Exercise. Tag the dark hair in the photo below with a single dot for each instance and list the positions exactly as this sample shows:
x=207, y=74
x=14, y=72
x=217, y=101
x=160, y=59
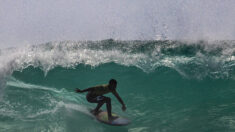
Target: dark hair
x=112, y=81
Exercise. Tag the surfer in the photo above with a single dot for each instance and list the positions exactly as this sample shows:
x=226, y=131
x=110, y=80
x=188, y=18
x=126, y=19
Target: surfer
x=95, y=95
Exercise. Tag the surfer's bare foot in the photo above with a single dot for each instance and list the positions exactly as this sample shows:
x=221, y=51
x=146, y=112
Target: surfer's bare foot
x=112, y=118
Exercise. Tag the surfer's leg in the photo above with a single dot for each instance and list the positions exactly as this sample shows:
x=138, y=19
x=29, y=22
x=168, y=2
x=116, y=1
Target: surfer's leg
x=101, y=100
x=109, y=108
x=96, y=110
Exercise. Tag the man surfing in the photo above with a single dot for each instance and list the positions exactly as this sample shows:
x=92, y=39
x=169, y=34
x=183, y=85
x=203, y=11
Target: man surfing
x=95, y=95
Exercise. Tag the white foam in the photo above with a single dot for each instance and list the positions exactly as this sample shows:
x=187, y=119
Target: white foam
x=16, y=83
x=63, y=95
x=68, y=54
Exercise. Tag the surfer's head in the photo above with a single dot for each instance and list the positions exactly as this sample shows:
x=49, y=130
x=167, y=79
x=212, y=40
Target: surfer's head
x=112, y=83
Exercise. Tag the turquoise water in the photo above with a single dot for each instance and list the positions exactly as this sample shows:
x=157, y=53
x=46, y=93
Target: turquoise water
x=166, y=85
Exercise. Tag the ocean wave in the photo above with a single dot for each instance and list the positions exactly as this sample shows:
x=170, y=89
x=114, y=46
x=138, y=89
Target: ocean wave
x=197, y=59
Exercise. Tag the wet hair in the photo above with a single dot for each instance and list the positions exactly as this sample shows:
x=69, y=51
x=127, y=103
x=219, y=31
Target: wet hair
x=112, y=81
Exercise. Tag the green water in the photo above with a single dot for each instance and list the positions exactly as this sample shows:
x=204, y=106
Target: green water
x=158, y=101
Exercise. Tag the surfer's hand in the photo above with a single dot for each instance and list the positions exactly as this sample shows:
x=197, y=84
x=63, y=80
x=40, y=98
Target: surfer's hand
x=78, y=90
x=123, y=107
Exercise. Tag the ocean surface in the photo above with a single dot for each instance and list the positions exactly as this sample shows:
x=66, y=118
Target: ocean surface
x=167, y=86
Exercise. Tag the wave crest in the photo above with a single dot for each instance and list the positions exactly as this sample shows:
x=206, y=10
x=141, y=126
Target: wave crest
x=195, y=59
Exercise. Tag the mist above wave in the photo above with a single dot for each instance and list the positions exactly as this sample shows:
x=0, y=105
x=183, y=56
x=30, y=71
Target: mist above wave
x=27, y=22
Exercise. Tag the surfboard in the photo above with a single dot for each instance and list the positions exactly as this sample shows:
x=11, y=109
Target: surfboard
x=102, y=116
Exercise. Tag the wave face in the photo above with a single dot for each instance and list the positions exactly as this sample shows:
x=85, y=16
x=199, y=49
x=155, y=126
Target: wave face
x=166, y=85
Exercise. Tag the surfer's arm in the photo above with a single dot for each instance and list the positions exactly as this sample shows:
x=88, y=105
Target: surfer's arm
x=119, y=99
x=84, y=90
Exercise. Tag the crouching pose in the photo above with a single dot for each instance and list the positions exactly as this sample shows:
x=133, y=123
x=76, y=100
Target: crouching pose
x=95, y=95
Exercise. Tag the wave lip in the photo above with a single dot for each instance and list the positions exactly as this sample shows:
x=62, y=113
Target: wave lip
x=210, y=58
